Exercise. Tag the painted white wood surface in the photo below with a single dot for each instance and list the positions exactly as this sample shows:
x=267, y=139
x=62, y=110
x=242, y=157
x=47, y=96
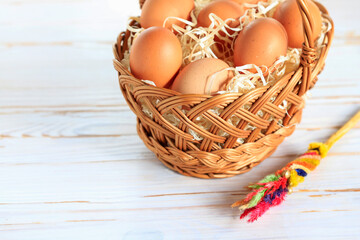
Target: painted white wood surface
x=72, y=166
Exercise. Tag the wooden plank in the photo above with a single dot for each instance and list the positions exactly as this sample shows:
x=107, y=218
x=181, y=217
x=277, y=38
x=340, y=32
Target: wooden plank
x=62, y=21
x=75, y=85
x=122, y=147
x=119, y=120
x=68, y=123
x=106, y=17
x=118, y=192
x=72, y=166
x=206, y=225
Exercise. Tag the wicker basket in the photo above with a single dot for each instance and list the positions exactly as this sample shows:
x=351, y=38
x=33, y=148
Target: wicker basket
x=206, y=158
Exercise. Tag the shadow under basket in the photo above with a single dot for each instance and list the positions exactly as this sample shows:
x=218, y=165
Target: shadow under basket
x=222, y=155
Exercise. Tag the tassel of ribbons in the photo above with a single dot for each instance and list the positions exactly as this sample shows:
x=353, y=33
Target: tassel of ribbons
x=272, y=190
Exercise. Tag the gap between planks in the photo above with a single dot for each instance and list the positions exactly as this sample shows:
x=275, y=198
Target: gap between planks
x=22, y=2
x=70, y=137
x=245, y=192
x=233, y=193
x=68, y=106
x=135, y=134
x=114, y=220
x=53, y=44
x=131, y=160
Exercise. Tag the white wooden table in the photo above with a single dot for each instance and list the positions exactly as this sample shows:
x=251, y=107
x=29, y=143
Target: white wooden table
x=72, y=166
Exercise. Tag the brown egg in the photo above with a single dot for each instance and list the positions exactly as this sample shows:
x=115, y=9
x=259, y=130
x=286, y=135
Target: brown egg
x=288, y=14
x=155, y=12
x=156, y=55
x=261, y=42
x=224, y=9
x=204, y=76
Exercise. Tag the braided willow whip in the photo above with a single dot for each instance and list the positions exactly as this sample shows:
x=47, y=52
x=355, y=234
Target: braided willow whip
x=272, y=190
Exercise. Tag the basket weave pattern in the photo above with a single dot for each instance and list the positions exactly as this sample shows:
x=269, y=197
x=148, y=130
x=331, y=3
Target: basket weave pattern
x=217, y=156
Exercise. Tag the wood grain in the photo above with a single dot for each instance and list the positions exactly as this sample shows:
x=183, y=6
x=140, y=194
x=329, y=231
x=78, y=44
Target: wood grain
x=72, y=166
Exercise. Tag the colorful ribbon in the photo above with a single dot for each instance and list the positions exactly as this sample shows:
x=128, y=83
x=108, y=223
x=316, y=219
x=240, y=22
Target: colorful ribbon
x=272, y=190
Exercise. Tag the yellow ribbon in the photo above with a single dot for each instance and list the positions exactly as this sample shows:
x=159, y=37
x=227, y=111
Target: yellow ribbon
x=324, y=148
